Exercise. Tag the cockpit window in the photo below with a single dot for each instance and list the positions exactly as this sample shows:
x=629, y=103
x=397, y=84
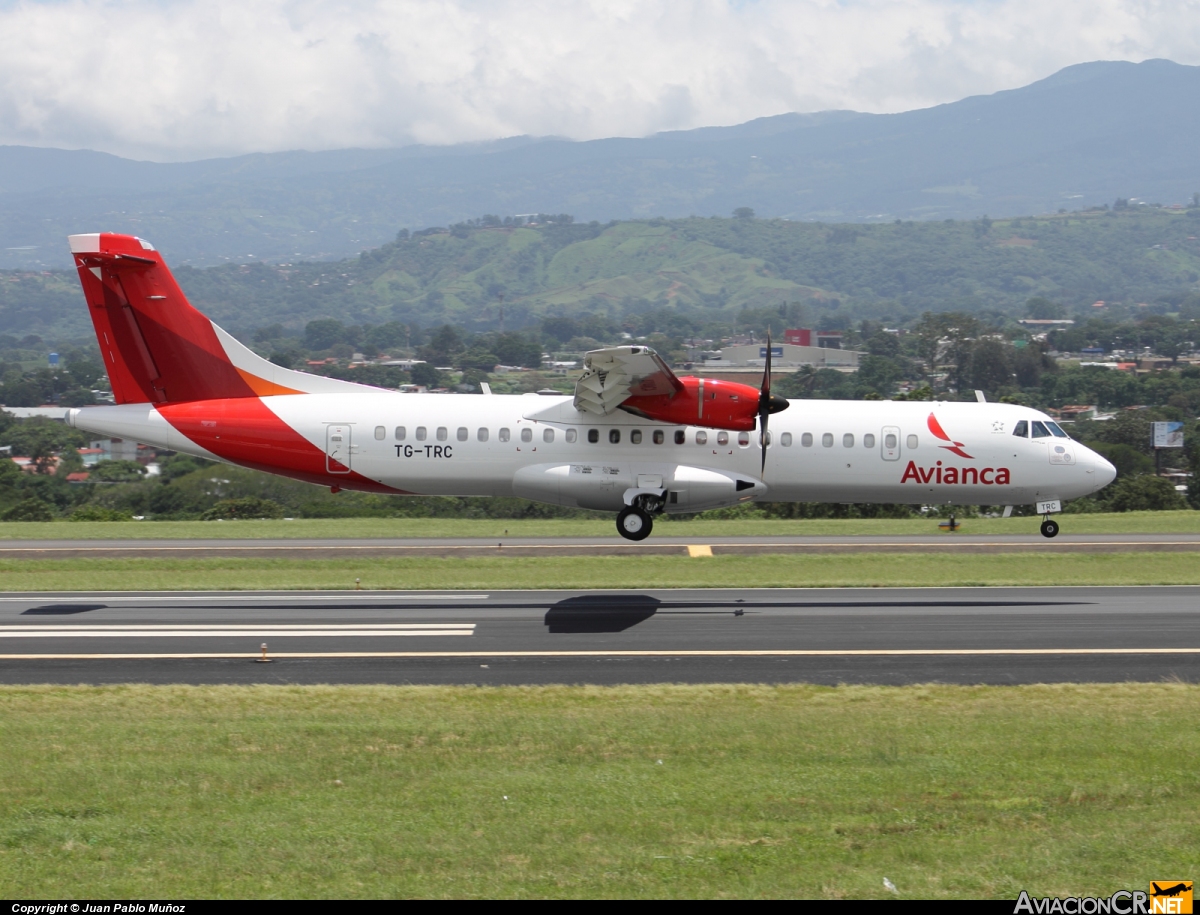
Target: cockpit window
x=1021, y=429
x=1040, y=430
x=1056, y=429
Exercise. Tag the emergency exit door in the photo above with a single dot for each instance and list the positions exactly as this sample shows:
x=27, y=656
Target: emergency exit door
x=337, y=449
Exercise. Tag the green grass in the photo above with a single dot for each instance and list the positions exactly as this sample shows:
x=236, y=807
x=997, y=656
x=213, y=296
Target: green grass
x=503, y=572
x=658, y=791
x=1123, y=523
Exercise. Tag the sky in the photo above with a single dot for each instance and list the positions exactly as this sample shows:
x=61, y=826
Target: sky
x=172, y=80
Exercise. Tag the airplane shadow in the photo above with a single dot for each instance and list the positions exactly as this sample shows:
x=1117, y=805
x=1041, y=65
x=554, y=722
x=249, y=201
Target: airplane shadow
x=61, y=609
x=601, y=612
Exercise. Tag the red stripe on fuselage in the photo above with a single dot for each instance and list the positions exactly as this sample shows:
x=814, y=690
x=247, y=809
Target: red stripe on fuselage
x=245, y=431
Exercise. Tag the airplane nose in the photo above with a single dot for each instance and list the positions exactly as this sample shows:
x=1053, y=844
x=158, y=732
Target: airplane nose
x=1105, y=471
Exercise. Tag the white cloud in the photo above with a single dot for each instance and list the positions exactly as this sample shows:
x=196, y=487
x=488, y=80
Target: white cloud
x=189, y=78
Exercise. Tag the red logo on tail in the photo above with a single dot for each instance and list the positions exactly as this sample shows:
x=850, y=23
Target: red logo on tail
x=954, y=447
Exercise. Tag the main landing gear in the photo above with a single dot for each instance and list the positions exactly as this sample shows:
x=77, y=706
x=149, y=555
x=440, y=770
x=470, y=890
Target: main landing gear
x=634, y=523
x=1049, y=528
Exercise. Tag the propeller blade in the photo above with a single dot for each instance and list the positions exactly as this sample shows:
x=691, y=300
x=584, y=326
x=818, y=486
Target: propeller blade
x=764, y=405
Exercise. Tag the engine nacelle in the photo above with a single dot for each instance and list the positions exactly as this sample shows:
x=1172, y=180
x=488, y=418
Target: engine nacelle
x=602, y=487
x=706, y=402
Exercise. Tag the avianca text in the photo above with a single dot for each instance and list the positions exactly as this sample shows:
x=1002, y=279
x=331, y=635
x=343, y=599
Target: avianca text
x=988, y=476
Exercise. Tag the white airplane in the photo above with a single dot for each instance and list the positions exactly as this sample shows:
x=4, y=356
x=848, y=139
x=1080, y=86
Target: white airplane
x=634, y=439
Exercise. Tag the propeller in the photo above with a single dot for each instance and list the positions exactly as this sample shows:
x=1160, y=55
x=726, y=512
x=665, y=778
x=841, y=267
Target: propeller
x=768, y=403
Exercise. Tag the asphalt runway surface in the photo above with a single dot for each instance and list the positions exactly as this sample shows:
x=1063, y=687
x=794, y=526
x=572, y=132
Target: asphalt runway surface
x=668, y=543
x=851, y=635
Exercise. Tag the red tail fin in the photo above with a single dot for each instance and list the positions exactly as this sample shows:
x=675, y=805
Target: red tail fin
x=156, y=346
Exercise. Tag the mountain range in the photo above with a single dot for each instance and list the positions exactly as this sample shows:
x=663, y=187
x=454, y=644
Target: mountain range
x=1084, y=136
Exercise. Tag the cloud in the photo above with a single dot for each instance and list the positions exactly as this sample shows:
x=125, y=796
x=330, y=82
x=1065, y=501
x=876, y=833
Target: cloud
x=178, y=79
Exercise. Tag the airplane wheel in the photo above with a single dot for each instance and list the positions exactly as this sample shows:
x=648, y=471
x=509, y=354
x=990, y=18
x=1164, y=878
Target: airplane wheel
x=1049, y=528
x=634, y=524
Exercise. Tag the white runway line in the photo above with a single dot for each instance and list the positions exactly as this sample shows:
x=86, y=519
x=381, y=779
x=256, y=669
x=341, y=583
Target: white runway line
x=235, y=631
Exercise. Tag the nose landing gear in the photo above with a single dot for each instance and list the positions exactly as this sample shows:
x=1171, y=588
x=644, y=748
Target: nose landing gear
x=1049, y=528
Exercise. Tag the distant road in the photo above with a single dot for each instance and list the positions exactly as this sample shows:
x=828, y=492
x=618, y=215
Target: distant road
x=856, y=635
x=595, y=546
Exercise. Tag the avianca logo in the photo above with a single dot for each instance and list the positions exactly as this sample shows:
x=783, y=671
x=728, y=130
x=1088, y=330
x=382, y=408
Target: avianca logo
x=988, y=476
x=954, y=447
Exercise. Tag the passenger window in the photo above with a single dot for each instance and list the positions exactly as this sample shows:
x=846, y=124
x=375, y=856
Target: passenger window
x=827, y=440
x=868, y=440
x=722, y=438
x=890, y=441
x=786, y=440
x=380, y=433
x=401, y=432
x=659, y=437
x=680, y=437
x=463, y=434
x=614, y=436
x=505, y=434
x=571, y=436
x=635, y=437
x=806, y=440
x=1056, y=429
x=1021, y=429
x=743, y=439
x=1040, y=430
x=593, y=435
x=527, y=435
x=421, y=433
x=548, y=435
x=701, y=438
x=482, y=435
x=848, y=440
x=443, y=433
x=911, y=442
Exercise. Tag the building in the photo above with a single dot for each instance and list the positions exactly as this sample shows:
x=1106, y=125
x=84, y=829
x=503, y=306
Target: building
x=750, y=360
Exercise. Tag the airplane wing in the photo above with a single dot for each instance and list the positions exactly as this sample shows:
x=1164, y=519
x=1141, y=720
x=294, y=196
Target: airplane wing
x=618, y=372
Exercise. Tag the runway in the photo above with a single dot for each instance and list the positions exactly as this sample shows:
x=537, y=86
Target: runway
x=886, y=636
x=667, y=543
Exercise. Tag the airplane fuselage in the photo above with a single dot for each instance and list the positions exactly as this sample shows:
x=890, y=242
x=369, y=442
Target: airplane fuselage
x=542, y=448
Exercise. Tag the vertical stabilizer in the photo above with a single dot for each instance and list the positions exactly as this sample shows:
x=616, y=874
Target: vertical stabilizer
x=156, y=347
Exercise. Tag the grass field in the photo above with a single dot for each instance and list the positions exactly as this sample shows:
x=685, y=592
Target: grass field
x=504, y=572
x=700, y=526
x=684, y=791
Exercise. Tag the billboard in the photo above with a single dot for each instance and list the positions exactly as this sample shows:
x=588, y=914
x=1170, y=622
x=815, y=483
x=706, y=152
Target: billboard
x=1168, y=435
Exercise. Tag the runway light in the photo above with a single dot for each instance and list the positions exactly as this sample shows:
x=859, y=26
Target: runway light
x=264, y=659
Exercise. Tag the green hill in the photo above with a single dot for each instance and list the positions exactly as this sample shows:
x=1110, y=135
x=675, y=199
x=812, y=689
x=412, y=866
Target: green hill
x=708, y=269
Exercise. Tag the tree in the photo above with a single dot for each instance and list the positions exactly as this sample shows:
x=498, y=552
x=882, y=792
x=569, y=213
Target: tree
x=1142, y=493
x=324, y=333
x=743, y=213
x=1042, y=309
x=444, y=344
x=989, y=365
x=119, y=471
x=29, y=510
x=1128, y=460
x=426, y=374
